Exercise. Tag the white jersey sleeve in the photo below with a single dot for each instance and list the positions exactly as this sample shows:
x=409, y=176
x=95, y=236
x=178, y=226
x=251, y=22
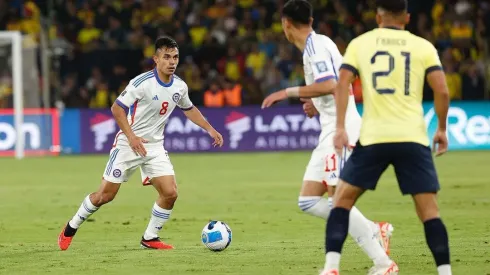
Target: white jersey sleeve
x=185, y=102
x=320, y=61
x=129, y=96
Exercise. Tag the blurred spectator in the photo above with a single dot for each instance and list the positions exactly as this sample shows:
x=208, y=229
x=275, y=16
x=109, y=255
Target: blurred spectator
x=72, y=95
x=453, y=82
x=232, y=65
x=473, y=84
x=231, y=45
x=5, y=90
x=196, y=85
x=255, y=61
x=88, y=34
x=214, y=97
x=233, y=93
x=198, y=32
x=115, y=31
x=101, y=98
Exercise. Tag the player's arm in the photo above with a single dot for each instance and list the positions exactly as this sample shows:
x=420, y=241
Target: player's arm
x=348, y=72
x=194, y=115
x=325, y=81
x=321, y=87
x=120, y=110
x=347, y=75
x=317, y=89
x=437, y=81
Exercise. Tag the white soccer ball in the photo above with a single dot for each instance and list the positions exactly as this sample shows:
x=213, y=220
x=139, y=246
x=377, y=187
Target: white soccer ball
x=216, y=236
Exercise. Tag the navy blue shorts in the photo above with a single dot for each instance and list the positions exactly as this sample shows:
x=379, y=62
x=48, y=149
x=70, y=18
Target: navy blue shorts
x=414, y=167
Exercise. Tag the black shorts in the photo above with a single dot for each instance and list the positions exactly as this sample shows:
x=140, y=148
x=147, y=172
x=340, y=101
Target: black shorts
x=414, y=167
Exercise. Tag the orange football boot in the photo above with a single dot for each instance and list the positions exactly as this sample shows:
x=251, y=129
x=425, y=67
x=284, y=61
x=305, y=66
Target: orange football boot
x=155, y=244
x=63, y=240
x=384, y=235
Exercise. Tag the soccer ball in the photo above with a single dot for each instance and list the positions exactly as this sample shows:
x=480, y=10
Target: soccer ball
x=216, y=236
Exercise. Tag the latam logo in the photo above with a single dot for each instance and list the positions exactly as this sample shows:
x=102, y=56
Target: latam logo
x=102, y=126
x=237, y=124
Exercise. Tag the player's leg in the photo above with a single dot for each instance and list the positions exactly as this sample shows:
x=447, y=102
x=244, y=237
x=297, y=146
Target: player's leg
x=106, y=193
x=338, y=223
x=361, y=172
x=417, y=176
x=116, y=172
x=160, y=172
x=321, y=177
x=381, y=230
x=311, y=200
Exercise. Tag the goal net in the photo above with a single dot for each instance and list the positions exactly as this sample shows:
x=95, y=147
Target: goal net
x=26, y=126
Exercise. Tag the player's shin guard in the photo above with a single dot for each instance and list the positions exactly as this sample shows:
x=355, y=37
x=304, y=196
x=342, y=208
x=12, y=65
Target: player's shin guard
x=85, y=210
x=315, y=205
x=438, y=242
x=361, y=230
x=337, y=228
x=159, y=217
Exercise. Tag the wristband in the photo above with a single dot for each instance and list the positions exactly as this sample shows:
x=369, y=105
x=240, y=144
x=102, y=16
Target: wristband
x=292, y=92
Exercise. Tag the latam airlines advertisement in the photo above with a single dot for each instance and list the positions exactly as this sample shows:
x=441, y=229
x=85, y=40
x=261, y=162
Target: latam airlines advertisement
x=248, y=129
x=244, y=129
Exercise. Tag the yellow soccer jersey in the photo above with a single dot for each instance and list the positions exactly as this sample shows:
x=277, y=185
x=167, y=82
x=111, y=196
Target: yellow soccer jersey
x=392, y=65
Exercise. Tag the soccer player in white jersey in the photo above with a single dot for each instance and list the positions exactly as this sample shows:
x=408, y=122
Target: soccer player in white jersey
x=141, y=111
x=322, y=61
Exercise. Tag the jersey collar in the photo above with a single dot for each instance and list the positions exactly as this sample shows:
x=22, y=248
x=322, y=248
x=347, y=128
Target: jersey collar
x=161, y=82
x=392, y=27
x=307, y=39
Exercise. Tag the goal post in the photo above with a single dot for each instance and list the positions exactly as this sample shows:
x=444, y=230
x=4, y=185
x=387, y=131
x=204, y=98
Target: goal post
x=28, y=124
x=15, y=39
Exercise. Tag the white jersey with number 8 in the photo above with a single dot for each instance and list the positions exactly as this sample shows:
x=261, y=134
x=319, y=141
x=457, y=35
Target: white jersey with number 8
x=149, y=102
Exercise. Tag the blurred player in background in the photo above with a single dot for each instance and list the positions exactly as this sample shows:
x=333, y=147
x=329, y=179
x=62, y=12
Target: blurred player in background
x=322, y=60
x=393, y=65
x=141, y=111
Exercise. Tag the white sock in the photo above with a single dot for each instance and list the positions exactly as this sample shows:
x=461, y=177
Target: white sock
x=330, y=202
x=85, y=210
x=159, y=216
x=444, y=269
x=332, y=260
x=315, y=205
x=361, y=230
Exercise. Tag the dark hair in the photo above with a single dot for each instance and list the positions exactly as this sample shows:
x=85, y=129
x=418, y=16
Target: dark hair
x=165, y=42
x=299, y=11
x=393, y=6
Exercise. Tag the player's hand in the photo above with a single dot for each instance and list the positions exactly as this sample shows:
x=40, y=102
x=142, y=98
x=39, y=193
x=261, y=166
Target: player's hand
x=440, y=143
x=340, y=141
x=136, y=144
x=308, y=107
x=218, y=138
x=273, y=98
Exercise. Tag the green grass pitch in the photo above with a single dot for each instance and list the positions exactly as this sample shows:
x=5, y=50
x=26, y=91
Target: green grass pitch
x=256, y=194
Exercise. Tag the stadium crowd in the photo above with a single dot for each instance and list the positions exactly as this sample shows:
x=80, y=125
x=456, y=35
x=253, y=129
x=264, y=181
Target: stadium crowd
x=232, y=52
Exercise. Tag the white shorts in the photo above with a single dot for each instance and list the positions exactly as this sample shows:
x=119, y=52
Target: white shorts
x=325, y=164
x=123, y=162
